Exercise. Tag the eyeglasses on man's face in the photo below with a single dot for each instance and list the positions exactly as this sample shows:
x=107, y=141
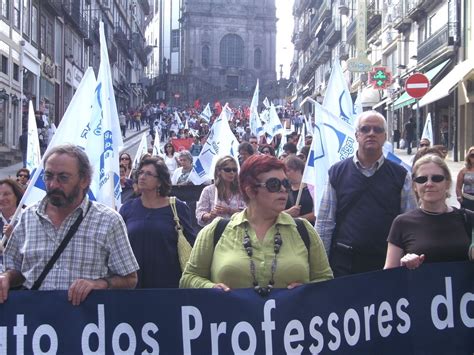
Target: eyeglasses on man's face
x=62, y=178
x=366, y=129
x=22, y=176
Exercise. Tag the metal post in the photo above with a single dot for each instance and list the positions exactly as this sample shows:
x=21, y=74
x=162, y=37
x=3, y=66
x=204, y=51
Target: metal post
x=418, y=123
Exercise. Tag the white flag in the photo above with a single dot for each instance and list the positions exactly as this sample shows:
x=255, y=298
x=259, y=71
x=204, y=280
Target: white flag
x=141, y=151
x=178, y=119
x=308, y=124
x=254, y=119
x=273, y=126
x=206, y=114
x=315, y=173
x=333, y=141
x=72, y=129
x=338, y=98
x=428, y=129
x=105, y=138
x=220, y=141
x=301, y=139
x=33, y=153
x=266, y=102
x=283, y=141
x=156, y=144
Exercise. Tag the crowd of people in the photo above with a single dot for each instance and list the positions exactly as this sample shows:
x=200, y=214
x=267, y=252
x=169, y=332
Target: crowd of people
x=255, y=221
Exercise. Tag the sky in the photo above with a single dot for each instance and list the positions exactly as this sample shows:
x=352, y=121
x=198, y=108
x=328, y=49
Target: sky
x=284, y=47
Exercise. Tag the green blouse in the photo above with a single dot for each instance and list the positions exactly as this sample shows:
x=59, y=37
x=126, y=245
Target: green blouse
x=229, y=263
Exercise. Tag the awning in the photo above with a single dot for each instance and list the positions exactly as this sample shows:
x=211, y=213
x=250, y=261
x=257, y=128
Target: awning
x=406, y=99
x=381, y=103
x=446, y=85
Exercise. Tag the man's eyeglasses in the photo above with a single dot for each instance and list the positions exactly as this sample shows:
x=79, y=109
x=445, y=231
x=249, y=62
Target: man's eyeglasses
x=230, y=170
x=424, y=145
x=61, y=178
x=433, y=178
x=146, y=174
x=22, y=175
x=274, y=184
x=367, y=129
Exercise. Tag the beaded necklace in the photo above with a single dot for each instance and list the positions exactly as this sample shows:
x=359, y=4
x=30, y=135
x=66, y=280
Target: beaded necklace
x=277, y=242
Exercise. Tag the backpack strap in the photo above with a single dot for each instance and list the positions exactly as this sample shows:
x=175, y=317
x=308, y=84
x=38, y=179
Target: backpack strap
x=467, y=221
x=300, y=226
x=220, y=227
x=303, y=232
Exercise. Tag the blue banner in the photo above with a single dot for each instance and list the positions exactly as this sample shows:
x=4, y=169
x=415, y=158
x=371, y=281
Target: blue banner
x=426, y=311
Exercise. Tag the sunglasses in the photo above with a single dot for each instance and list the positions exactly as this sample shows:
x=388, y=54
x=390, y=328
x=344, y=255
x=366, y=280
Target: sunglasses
x=375, y=129
x=124, y=158
x=230, y=170
x=424, y=145
x=22, y=175
x=274, y=184
x=433, y=178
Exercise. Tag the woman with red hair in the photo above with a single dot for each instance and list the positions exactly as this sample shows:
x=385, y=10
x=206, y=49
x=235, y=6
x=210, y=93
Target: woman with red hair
x=260, y=247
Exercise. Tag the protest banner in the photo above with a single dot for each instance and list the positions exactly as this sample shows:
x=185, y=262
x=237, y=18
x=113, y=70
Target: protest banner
x=425, y=311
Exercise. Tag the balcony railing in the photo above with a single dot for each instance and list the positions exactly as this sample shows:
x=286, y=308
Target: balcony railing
x=333, y=31
x=351, y=30
x=324, y=53
x=78, y=19
x=437, y=42
x=374, y=15
x=324, y=10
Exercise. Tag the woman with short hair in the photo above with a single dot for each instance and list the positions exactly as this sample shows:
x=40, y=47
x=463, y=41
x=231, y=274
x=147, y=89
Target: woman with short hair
x=260, y=247
x=151, y=227
x=434, y=232
x=181, y=175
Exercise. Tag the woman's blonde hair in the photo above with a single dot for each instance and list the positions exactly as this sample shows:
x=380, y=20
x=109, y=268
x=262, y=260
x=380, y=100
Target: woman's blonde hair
x=467, y=162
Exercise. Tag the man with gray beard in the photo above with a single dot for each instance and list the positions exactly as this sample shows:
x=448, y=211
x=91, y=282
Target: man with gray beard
x=98, y=255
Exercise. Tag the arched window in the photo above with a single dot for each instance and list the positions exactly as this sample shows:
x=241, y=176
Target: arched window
x=205, y=56
x=257, y=58
x=232, y=51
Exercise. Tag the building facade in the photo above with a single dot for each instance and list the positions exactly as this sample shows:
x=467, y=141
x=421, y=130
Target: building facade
x=404, y=36
x=46, y=46
x=217, y=50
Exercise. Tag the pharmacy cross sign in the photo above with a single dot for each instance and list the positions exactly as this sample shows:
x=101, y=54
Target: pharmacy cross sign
x=417, y=85
x=380, y=78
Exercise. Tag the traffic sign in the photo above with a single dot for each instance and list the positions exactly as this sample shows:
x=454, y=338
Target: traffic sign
x=417, y=85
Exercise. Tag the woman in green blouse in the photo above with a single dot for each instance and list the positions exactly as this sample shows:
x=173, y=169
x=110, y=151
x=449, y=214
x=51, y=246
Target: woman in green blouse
x=260, y=246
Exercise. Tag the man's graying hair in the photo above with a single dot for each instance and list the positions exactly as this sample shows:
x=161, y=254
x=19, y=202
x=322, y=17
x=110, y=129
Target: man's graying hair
x=371, y=113
x=85, y=168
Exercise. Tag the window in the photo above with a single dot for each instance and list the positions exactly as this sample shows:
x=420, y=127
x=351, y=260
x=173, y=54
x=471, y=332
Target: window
x=232, y=50
x=257, y=58
x=174, y=40
x=34, y=24
x=26, y=18
x=6, y=9
x=43, y=33
x=4, y=64
x=50, y=39
x=16, y=72
x=205, y=56
x=16, y=14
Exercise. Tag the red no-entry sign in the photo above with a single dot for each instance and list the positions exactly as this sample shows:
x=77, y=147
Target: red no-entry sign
x=417, y=85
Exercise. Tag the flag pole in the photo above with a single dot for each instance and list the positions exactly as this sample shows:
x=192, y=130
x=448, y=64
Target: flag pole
x=300, y=191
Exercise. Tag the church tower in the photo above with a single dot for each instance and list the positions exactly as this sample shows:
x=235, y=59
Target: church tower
x=229, y=43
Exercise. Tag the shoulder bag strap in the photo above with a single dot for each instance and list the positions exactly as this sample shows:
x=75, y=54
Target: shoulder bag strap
x=60, y=249
x=175, y=212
